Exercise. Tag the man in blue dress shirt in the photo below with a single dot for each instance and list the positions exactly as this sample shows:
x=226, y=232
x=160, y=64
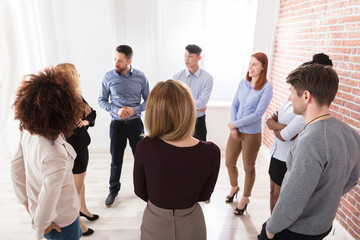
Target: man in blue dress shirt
x=200, y=83
x=125, y=86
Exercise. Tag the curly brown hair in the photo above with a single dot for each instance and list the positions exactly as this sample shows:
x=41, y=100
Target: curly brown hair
x=47, y=104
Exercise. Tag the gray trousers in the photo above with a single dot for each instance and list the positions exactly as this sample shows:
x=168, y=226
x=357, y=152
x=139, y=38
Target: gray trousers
x=167, y=224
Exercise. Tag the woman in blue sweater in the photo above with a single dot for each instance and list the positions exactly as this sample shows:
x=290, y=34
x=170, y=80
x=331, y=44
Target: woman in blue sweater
x=249, y=105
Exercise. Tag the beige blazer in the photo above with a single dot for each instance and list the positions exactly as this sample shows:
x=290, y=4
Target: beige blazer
x=42, y=176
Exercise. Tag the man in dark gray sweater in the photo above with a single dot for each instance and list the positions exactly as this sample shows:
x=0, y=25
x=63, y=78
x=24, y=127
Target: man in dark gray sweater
x=323, y=163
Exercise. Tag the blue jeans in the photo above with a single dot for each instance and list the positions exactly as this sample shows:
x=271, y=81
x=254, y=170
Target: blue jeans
x=71, y=232
x=120, y=132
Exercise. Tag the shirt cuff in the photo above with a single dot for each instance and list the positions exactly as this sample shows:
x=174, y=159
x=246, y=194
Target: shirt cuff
x=137, y=109
x=239, y=123
x=115, y=110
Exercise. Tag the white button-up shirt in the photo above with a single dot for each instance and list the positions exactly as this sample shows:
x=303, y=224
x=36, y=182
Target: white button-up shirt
x=200, y=83
x=42, y=176
x=294, y=125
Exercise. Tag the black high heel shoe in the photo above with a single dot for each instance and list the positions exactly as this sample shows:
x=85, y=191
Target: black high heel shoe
x=88, y=232
x=231, y=198
x=240, y=211
x=93, y=218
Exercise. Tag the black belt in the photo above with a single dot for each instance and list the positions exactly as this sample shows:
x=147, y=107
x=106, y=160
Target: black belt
x=128, y=121
x=202, y=117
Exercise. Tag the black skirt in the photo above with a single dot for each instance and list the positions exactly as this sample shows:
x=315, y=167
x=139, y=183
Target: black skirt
x=277, y=170
x=81, y=161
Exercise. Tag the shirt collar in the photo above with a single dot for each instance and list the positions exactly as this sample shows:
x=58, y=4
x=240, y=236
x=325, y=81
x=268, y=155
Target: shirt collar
x=197, y=73
x=130, y=72
x=61, y=140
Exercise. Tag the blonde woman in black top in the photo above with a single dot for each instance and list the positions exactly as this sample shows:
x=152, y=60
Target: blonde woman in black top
x=173, y=171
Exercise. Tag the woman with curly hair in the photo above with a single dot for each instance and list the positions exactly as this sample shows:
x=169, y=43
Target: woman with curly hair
x=48, y=107
x=80, y=140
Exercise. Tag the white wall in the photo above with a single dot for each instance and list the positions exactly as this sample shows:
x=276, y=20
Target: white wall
x=158, y=33
x=158, y=40
x=86, y=33
x=265, y=28
x=217, y=118
x=262, y=39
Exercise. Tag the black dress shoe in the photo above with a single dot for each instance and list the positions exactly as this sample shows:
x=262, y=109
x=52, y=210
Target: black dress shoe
x=93, y=218
x=88, y=232
x=110, y=199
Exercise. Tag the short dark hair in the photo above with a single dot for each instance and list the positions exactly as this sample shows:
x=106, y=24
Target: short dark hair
x=126, y=50
x=321, y=81
x=192, y=48
x=48, y=103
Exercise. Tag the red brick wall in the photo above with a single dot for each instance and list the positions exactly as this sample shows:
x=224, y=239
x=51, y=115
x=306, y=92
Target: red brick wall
x=306, y=27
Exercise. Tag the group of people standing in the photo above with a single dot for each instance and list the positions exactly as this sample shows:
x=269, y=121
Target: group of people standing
x=175, y=167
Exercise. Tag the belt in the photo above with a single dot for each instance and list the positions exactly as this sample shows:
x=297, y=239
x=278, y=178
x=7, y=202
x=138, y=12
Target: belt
x=128, y=121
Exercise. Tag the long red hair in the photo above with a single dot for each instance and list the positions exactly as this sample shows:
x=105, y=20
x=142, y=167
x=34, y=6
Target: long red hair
x=261, y=57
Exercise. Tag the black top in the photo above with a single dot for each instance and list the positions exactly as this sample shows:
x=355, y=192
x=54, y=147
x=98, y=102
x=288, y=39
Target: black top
x=81, y=138
x=175, y=177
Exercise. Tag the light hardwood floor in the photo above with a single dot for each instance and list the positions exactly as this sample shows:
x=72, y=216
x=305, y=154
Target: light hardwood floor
x=123, y=219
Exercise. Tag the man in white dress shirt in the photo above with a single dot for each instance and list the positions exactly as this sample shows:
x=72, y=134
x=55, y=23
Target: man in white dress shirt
x=200, y=83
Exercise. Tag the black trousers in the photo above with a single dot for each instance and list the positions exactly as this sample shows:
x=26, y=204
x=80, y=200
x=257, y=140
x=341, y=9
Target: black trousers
x=120, y=132
x=289, y=235
x=200, y=129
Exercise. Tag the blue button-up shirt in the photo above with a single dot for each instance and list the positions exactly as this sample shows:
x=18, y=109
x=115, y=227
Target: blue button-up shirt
x=201, y=84
x=124, y=91
x=249, y=106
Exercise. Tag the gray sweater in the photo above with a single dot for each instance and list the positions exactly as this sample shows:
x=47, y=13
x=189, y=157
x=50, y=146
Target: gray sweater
x=323, y=164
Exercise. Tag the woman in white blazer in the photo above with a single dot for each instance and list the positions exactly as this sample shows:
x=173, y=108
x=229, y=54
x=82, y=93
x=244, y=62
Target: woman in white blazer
x=47, y=106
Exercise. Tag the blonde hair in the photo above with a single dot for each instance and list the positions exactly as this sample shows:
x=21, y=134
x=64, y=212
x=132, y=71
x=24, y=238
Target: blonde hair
x=73, y=73
x=170, y=111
